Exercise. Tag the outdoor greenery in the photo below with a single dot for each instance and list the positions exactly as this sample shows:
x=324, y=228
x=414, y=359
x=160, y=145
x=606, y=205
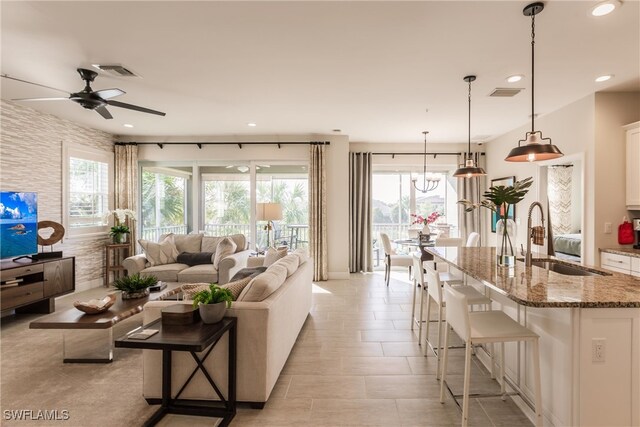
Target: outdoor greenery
x=213, y=295
x=169, y=193
x=134, y=283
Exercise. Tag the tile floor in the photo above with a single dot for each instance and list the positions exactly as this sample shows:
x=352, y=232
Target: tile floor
x=356, y=363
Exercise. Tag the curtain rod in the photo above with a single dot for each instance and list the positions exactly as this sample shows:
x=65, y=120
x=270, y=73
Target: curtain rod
x=421, y=154
x=239, y=144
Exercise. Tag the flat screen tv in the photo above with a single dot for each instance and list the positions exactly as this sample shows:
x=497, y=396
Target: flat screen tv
x=18, y=224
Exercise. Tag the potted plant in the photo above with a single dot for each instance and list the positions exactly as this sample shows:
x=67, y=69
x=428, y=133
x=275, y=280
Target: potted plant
x=499, y=199
x=212, y=303
x=119, y=233
x=425, y=221
x=135, y=286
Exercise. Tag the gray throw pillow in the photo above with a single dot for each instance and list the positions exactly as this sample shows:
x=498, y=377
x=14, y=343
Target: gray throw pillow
x=198, y=258
x=248, y=272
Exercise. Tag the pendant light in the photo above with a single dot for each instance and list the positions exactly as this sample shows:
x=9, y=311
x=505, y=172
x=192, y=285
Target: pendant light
x=430, y=182
x=470, y=169
x=535, y=147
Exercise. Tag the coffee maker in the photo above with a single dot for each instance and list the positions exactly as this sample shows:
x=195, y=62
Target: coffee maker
x=636, y=228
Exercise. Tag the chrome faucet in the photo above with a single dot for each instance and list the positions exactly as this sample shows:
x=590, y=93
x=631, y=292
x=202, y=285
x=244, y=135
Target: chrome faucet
x=527, y=259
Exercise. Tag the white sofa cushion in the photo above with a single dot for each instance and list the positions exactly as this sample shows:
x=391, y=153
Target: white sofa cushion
x=290, y=262
x=198, y=273
x=272, y=255
x=210, y=243
x=186, y=242
x=264, y=284
x=302, y=254
x=165, y=272
x=161, y=253
x=225, y=247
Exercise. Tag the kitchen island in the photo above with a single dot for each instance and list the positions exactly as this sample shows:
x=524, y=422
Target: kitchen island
x=572, y=315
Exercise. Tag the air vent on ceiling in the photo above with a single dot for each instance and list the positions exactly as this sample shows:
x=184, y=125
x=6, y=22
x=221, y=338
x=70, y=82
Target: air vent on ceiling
x=116, y=70
x=502, y=91
x=480, y=138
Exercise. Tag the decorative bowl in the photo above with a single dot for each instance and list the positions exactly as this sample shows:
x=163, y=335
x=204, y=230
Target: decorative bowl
x=96, y=306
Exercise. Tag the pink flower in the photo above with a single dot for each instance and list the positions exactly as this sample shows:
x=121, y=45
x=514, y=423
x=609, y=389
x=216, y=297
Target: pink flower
x=419, y=219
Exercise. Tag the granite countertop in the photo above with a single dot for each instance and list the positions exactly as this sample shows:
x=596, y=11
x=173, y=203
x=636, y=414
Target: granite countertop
x=539, y=287
x=623, y=251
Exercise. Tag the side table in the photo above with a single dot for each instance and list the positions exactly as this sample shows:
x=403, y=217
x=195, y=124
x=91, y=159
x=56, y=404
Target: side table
x=115, y=254
x=193, y=338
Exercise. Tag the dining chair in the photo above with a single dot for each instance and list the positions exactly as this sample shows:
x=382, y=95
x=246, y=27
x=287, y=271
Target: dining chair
x=472, y=240
x=482, y=327
x=391, y=258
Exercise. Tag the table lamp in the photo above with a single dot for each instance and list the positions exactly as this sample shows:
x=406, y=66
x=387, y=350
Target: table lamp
x=268, y=212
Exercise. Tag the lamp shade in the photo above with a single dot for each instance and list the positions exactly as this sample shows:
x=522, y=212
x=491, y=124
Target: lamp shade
x=469, y=170
x=534, y=150
x=268, y=211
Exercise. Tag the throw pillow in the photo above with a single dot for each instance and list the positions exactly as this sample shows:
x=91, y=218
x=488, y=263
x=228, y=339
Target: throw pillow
x=210, y=243
x=264, y=284
x=290, y=262
x=302, y=254
x=272, y=255
x=186, y=242
x=190, y=289
x=161, y=253
x=236, y=287
x=198, y=258
x=225, y=248
x=248, y=272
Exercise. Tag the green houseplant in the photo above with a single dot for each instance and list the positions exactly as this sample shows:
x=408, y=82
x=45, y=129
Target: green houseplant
x=212, y=303
x=499, y=199
x=119, y=233
x=135, y=286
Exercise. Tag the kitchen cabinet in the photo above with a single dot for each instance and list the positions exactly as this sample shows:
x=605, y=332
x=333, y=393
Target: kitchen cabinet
x=633, y=166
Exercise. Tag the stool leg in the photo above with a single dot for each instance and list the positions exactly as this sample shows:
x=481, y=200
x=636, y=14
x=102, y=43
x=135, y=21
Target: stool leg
x=502, y=363
x=426, y=328
x=444, y=362
x=439, y=341
x=465, y=393
x=492, y=346
x=413, y=302
x=536, y=379
x=420, y=317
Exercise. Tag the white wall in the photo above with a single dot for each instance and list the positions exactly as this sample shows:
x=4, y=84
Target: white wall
x=590, y=127
x=576, y=197
x=337, y=173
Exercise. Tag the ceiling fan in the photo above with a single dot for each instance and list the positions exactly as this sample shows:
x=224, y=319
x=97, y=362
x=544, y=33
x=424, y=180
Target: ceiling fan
x=88, y=98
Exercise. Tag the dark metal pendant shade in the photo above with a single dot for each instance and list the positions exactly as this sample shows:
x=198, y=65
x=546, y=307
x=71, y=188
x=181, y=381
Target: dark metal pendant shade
x=535, y=148
x=470, y=169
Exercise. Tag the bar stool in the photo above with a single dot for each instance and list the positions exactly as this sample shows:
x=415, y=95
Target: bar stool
x=434, y=292
x=485, y=327
x=418, y=282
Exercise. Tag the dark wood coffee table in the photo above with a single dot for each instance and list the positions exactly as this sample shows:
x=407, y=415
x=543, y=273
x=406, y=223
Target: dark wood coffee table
x=83, y=346
x=193, y=338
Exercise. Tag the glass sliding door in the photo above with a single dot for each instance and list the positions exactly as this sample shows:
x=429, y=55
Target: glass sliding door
x=164, y=207
x=287, y=185
x=226, y=200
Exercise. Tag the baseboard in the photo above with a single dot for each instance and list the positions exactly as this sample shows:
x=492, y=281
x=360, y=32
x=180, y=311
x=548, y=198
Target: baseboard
x=338, y=275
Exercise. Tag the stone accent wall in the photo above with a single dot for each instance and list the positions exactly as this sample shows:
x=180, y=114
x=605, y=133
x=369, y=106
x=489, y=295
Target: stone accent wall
x=31, y=160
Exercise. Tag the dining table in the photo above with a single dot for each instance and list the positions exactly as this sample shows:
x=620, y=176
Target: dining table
x=416, y=242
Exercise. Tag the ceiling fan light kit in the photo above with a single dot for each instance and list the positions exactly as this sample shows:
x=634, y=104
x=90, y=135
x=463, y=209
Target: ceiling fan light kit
x=470, y=169
x=535, y=147
x=90, y=99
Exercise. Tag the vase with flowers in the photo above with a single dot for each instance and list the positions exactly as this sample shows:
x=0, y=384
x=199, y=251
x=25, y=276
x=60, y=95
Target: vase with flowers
x=425, y=221
x=122, y=219
x=500, y=199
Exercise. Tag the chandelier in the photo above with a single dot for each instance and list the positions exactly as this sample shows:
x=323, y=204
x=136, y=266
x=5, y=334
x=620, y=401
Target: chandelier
x=429, y=181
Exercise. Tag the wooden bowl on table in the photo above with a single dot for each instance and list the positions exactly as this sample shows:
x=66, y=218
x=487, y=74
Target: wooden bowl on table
x=91, y=307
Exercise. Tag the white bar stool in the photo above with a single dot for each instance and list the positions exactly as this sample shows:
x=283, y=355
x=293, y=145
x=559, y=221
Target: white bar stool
x=485, y=327
x=434, y=292
x=418, y=282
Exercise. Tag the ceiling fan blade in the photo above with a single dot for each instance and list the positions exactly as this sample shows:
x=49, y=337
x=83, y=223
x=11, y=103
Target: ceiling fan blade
x=104, y=112
x=6, y=76
x=109, y=93
x=135, y=107
x=40, y=99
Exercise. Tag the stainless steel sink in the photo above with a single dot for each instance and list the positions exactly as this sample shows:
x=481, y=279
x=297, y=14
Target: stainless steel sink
x=566, y=269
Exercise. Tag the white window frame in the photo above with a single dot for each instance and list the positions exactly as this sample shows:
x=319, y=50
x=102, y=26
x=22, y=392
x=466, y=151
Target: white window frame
x=87, y=153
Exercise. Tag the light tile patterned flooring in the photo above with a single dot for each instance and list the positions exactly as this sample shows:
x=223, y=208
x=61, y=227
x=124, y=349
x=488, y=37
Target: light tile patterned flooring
x=356, y=363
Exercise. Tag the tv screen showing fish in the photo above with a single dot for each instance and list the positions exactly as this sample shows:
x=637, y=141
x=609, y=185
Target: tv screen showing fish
x=18, y=224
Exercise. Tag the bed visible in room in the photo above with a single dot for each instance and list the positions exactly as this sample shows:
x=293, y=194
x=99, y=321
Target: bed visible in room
x=568, y=245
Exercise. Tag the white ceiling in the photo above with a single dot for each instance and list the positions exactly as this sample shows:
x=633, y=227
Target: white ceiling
x=367, y=68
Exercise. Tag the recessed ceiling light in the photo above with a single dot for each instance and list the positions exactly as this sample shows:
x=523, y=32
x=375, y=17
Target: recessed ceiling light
x=127, y=125
x=514, y=78
x=604, y=78
x=605, y=7
x=252, y=125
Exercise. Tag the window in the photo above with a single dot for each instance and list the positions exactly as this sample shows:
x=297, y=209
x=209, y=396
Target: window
x=88, y=189
x=226, y=200
x=164, y=201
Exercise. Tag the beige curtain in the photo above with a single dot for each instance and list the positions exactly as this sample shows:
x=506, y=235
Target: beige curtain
x=360, y=212
x=126, y=184
x=471, y=189
x=318, y=210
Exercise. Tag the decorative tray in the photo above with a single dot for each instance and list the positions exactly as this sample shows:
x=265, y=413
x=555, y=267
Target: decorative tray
x=96, y=306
